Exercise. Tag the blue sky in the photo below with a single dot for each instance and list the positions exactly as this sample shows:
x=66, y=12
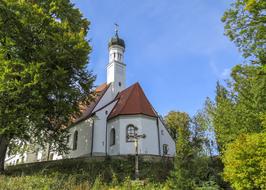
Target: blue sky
x=175, y=49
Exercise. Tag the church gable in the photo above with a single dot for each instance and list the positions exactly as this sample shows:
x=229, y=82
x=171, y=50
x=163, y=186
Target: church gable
x=87, y=110
x=132, y=101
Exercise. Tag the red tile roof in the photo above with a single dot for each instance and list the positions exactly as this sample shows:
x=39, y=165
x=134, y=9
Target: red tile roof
x=86, y=110
x=132, y=101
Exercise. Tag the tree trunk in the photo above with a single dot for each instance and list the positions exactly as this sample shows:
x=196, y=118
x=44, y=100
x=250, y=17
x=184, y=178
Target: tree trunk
x=3, y=149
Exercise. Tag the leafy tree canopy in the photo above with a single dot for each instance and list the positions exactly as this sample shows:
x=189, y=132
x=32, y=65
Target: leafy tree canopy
x=238, y=107
x=239, y=110
x=245, y=25
x=177, y=121
x=245, y=165
x=43, y=75
x=192, y=165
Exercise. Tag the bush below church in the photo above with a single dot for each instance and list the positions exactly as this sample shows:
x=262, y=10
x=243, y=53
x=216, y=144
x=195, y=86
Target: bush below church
x=85, y=174
x=43, y=182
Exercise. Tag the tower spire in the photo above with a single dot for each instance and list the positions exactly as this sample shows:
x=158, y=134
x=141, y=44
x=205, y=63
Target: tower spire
x=116, y=68
x=116, y=29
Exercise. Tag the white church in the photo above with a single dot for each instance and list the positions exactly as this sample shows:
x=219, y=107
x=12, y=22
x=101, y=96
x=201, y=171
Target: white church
x=119, y=119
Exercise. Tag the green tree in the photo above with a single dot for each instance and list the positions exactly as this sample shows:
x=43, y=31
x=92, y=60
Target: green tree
x=178, y=122
x=43, y=75
x=238, y=112
x=175, y=121
x=245, y=163
x=245, y=25
x=238, y=106
x=192, y=167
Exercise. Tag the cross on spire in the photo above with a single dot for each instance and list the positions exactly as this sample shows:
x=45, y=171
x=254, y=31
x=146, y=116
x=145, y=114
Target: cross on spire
x=116, y=28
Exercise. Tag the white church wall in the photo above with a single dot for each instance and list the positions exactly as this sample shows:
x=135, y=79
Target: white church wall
x=39, y=155
x=99, y=130
x=149, y=145
x=146, y=125
x=114, y=149
x=116, y=69
x=107, y=98
x=110, y=76
x=55, y=156
x=119, y=83
x=124, y=121
x=116, y=53
x=30, y=157
x=12, y=160
x=16, y=159
x=84, y=130
x=165, y=138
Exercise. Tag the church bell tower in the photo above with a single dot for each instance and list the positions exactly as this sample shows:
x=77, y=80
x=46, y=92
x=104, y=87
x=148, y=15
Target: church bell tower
x=116, y=68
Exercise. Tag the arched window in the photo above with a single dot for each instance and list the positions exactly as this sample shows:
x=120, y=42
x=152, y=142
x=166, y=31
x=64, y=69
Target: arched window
x=131, y=131
x=112, y=137
x=75, y=140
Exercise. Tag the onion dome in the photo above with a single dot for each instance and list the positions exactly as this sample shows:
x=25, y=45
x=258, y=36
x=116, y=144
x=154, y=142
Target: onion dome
x=116, y=41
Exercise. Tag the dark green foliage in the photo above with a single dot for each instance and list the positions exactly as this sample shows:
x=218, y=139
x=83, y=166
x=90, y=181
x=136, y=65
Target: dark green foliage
x=43, y=75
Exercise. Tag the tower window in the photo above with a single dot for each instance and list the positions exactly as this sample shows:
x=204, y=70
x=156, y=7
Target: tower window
x=112, y=137
x=75, y=140
x=119, y=84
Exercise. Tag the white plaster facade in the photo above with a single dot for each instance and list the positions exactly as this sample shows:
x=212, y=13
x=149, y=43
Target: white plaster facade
x=92, y=135
x=116, y=69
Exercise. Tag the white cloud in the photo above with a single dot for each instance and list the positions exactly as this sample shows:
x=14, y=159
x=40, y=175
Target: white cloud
x=225, y=74
x=219, y=73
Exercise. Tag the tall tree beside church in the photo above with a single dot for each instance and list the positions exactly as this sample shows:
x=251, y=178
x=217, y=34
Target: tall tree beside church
x=43, y=75
x=240, y=106
x=178, y=123
x=191, y=163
